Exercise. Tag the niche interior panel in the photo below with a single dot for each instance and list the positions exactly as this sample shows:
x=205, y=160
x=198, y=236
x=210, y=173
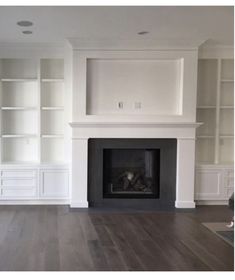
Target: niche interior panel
x=130, y=86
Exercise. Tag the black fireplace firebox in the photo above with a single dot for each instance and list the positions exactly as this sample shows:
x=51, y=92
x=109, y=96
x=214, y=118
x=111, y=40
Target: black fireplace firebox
x=132, y=173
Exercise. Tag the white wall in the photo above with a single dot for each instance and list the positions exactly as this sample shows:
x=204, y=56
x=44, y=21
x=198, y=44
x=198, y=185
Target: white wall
x=163, y=81
x=142, y=86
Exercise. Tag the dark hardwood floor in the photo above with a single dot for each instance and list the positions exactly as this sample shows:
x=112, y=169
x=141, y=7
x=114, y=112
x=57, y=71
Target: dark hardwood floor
x=58, y=238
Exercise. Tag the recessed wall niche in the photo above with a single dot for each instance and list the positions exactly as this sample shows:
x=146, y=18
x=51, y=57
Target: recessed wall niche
x=134, y=86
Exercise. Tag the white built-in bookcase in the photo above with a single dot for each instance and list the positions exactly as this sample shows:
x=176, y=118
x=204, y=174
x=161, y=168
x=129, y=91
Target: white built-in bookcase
x=32, y=110
x=215, y=108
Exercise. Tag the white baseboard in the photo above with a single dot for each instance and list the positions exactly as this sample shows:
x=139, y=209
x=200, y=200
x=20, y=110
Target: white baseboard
x=35, y=202
x=212, y=202
x=79, y=204
x=185, y=204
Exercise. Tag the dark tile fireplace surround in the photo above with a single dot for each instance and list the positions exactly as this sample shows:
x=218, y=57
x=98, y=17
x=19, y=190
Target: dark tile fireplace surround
x=132, y=173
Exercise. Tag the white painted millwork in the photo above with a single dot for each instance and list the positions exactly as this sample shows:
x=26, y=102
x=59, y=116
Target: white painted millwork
x=214, y=184
x=170, y=99
x=33, y=160
x=34, y=183
x=117, y=89
x=185, y=134
x=79, y=173
x=109, y=82
x=54, y=183
x=32, y=109
x=215, y=138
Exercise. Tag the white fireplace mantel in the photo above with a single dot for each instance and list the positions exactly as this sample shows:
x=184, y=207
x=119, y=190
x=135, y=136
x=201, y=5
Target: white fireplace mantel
x=135, y=124
x=183, y=132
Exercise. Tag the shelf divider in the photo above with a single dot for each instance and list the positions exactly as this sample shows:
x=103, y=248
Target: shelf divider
x=217, y=112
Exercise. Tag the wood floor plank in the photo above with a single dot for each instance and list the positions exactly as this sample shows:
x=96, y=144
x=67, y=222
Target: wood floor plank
x=151, y=258
x=124, y=248
x=52, y=261
x=98, y=256
x=56, y=238
x=73, y=247
x=114, y=259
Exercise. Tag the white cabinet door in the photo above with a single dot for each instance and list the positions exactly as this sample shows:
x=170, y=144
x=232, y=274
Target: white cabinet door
x=214, y=183
x=209, y=183
x=54, y=184
x=228, y=182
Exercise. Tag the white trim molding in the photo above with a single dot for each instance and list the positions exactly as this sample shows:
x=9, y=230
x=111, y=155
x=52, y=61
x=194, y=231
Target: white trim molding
x=185, y=204
x=211, y=202
x=79, y=204
x=138, y=44
x=207, y=52
x=34, y=202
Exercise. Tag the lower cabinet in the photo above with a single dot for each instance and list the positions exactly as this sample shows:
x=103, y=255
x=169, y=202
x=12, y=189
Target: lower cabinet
x=54, y=183
x=214, y=184
x=39, y=183
x=18, y=183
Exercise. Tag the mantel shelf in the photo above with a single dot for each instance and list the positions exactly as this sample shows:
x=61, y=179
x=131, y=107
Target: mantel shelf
x=136, y=124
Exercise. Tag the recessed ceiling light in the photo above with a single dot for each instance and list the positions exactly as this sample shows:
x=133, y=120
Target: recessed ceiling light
x=143, y=32
x=25, y=23
x=27, y=32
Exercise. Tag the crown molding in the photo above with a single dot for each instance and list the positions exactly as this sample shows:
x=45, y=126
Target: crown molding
x=34, y=50
x=216, y=51
x=137, y=44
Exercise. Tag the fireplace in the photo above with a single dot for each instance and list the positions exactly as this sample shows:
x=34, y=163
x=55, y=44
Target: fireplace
x=132, y=173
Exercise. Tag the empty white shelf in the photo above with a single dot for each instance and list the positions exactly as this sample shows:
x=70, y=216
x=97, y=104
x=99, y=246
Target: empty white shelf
x=19, y=80
x=227, y=136
x=227, y=107
x=53, y=108
x=227, y=81
x=205, y=136
x=52, y=80
x=19, y=135
x=17, y=162
x=206, y=107
x=52, y=136
x=19, y=108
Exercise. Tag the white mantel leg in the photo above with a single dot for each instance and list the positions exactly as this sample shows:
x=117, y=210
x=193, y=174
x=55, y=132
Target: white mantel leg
x=185, y=173
x=79, y=173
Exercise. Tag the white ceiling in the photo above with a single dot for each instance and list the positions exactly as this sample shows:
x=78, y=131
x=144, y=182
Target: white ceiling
x=55, y=24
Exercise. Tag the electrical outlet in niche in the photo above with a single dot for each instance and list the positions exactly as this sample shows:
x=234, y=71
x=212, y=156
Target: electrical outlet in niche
x=137, y=105
x=120, y=105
